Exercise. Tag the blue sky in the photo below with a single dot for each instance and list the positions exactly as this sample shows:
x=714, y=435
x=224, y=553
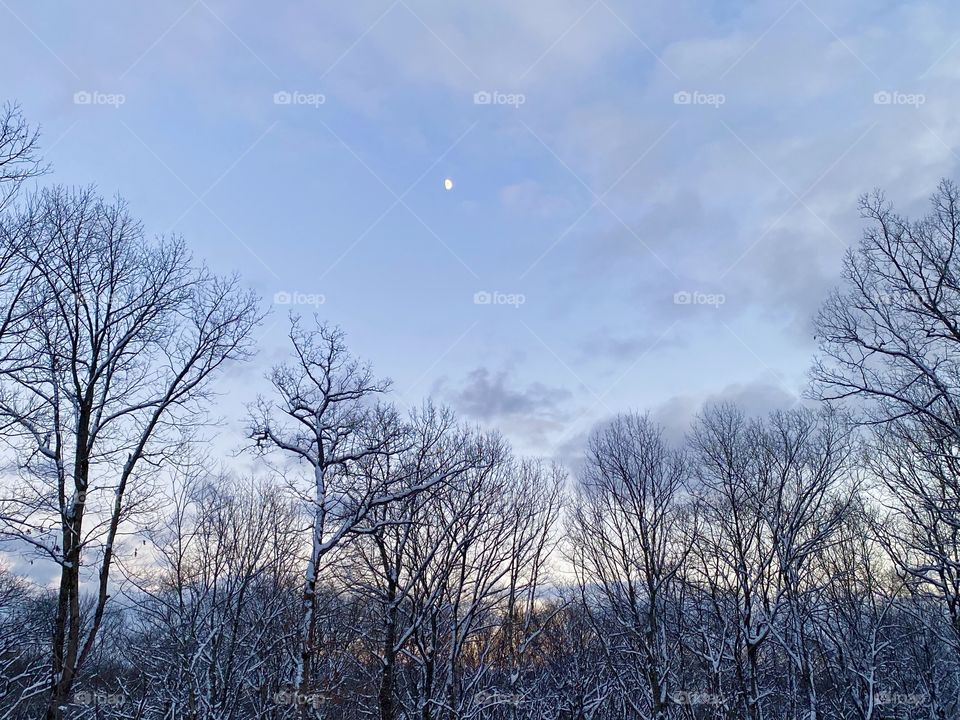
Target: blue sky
x=628, y=154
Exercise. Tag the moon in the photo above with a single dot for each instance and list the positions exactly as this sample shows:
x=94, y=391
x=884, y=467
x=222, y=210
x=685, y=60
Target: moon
x=448, y=184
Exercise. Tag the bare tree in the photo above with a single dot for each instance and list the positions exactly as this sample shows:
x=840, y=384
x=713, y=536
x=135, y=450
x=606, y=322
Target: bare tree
x=920, y=526
x=775, y=493
x=531, y=604
x=858, y=623
x=474, y=610
x=382, y=567
x=891, y=335
x=19, y=161
x=630, y=543
x=735, y=560
x=805, y=461
x=23, y=637
x=890, y=340
x=215, y=613
x=324, y=417
x=103, y=381
x=19, y=153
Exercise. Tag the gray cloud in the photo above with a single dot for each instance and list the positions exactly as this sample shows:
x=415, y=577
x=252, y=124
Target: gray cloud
x=487, y=396
x=755, y=398
x=625, y=343
x=530, y=414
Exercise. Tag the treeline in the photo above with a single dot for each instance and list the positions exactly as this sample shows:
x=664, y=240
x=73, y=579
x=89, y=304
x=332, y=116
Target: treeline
x=400, y=565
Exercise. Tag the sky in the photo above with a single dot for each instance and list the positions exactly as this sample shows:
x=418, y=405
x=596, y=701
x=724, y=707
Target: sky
x=649, y=200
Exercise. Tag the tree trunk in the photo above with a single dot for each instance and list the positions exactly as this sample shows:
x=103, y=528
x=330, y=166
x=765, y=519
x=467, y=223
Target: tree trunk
x=385, y=698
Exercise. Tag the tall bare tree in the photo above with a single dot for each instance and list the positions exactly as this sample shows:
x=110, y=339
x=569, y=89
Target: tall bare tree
x=19, y=153
x=19, y=162
x=397, y=552
x=217, y=600
x=24, y=612
x=103, y=380
x=890, y=340
x=324, y=416
x=891, y=335
x=630, y=537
